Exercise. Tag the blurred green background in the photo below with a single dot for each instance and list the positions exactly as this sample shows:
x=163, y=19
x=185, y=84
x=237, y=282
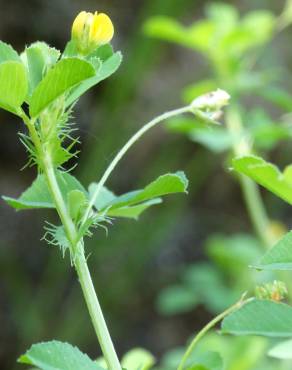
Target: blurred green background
x=161, y=278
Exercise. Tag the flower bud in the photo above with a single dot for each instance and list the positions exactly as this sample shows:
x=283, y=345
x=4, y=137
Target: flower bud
x=212, y=101
x=91, y=30
x=275, y=291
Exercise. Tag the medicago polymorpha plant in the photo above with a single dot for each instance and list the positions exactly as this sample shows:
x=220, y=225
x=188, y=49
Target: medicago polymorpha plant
x=41, y=87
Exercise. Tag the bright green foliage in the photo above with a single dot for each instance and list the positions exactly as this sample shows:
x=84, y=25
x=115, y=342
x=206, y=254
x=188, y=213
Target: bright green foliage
x=282, y=350
x=222, y=31
x=38, y=59
x=59, y=80
x=279, y=257
x=107, y=68
x=105, y=62
x=206, y=361
x=57, y=356
x=196, y=36
x=138, y=359
x=267, y=175
x=76, y=201
x=260, y=317
x=38, y=195
x=7, y=53
x=14, y=86
x=132, y=204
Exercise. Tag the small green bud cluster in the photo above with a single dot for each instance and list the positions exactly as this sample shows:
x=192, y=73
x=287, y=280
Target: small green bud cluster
x=275, y=291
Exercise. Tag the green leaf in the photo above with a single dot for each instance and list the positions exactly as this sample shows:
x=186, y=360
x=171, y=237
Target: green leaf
x=38, y=58
x=279, y=257
x=56, y=355
x=103, y=52
x=38, y=195
x=197, y=36
x=76, y=201
x=282, y=351
x=260, y=317
x=267, y=175
x=265, y=21
x=107, y=68
x=278, y=96
x=206, y=361
x=176, y=299
x=163, y=185
x=133, y=211
x=138, y=359
x=66, y=74
x=133, y=203
x=13, y=86
x=7, y=53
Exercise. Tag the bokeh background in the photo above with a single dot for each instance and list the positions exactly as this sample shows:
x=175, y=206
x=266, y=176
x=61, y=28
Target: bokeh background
x=141, y=267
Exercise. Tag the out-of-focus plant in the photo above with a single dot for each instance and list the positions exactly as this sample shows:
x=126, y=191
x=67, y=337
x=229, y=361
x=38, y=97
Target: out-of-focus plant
x=232, y=45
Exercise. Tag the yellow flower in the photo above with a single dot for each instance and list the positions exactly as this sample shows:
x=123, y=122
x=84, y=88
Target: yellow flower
x=91, y=30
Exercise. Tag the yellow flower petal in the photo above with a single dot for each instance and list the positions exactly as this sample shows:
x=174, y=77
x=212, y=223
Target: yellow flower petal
x=102, y=29
x=78, y=24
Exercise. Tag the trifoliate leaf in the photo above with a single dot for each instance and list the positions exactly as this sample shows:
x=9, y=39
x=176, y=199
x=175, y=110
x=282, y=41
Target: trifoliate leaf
x=133, y=203
x=38, y=58
x=106, y=69
x=67, y=74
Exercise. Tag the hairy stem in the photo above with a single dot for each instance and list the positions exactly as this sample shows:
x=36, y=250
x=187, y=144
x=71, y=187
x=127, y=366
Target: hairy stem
x=250, y=190
x=126, y=147
x=77, y=250
x=206, y=328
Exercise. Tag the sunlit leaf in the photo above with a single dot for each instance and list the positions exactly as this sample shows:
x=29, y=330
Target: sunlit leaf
x=282, y=350
x=66, y=74
x=267, y=175
x=13, y=86
x=38, y=58
x=7, y=53
x=107, y=68
x=138, y=359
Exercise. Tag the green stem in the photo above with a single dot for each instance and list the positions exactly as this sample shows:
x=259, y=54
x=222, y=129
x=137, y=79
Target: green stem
x=126, y=147
x=206, y=328
x=77, y=251
x=250, y=190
